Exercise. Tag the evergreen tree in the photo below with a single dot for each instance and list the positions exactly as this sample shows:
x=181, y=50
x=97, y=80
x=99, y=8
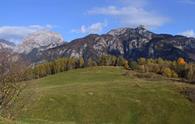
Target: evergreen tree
x=133, y=65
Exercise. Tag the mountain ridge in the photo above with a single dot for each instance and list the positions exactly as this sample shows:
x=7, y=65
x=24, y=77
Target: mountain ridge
x=131, y=43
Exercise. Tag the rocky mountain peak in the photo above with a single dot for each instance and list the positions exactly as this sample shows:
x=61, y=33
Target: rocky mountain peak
x=4, y=44
x=140, y=31
x=119, y=31
x=42, y=40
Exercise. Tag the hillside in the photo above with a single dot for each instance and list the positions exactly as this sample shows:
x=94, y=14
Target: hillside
x=102, y=95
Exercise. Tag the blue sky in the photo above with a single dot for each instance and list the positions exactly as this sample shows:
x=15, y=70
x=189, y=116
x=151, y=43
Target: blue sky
x=77, y=18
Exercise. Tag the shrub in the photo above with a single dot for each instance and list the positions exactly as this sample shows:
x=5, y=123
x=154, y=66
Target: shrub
x=169, y=73
x=160, y=61
x=142, y=68
x=141, y=61
x=154, y=68
x=174, y=74
x=126, y=65
x=133, y=65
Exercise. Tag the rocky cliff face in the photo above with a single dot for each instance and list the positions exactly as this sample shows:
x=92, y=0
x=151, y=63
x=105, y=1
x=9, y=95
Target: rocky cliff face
x=42, y=40
x=6, y=44
x=131, y=43
x=32, y=45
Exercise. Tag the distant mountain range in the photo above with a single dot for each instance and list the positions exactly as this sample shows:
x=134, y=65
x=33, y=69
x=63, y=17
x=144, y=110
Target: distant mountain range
x=131, y=43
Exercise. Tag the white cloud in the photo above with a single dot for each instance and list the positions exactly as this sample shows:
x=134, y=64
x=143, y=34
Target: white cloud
x=190, y=2
x=188, y=33
x=93, y=28
x=17, y=33
x=131, y=15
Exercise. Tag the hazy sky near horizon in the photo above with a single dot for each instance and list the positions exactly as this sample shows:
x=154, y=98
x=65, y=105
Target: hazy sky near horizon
x=77, y=18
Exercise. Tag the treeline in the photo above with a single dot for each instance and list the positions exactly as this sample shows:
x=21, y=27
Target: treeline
x=22, y=73
x=171, y=69
x=65, y=64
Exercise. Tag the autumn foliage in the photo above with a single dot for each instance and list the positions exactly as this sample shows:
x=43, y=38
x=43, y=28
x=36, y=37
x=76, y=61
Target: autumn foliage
x=171, y=69
x=181, y=61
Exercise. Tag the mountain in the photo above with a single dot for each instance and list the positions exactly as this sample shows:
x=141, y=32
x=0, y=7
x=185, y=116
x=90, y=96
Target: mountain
x=4, y=44
x=32, y=45
x=131, y=43
x=6, y=51
x=41, y=41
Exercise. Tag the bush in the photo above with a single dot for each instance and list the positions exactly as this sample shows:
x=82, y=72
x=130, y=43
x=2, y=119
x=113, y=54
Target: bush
x=126, y=65
x=142, y=68
x=141, y=61
x=169, y=73
x=133, y=65
x=160, y=61
x=153, y=68
x=174, y=74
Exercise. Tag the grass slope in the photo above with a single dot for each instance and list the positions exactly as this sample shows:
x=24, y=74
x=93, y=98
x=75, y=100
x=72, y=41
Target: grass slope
x=101, y=95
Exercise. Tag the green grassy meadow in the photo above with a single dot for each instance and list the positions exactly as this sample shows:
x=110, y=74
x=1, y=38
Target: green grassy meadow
x=101, y=95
